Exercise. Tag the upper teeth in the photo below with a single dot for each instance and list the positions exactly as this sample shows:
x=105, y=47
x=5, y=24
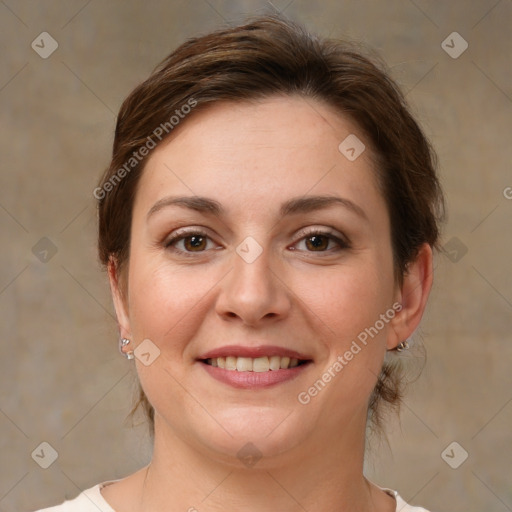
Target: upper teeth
x=257, y=364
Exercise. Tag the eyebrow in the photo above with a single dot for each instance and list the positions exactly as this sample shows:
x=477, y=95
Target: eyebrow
x=296, y=205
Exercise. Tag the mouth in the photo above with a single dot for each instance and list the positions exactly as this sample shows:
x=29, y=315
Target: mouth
x=255, y=364
x=254, y=367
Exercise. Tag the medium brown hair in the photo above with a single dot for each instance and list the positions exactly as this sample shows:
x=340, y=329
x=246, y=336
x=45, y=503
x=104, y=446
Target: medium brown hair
x=264, y=57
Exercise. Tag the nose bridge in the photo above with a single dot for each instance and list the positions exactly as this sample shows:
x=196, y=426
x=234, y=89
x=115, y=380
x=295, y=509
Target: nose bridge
x=252, y=290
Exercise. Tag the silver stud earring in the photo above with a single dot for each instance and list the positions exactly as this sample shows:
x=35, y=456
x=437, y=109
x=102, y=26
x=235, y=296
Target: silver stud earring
x=122, y=343
x=404, y=345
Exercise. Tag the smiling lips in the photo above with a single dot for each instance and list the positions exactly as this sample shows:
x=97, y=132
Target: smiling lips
x=261, y=358
x=252, y=367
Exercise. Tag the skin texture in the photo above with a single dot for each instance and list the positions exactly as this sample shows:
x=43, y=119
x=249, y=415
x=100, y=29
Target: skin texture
x=251, y=157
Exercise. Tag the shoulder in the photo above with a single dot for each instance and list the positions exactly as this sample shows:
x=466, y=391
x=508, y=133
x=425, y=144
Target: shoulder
x=401, y=505
x=90, y=500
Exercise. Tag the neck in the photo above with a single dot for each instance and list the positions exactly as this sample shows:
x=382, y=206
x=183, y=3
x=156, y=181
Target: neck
x=315, y=476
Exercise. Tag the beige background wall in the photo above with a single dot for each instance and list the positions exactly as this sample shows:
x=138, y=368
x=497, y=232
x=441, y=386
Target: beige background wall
x=62, y=379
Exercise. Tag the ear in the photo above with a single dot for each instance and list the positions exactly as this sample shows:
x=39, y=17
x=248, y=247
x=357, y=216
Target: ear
x=119, y=300
x=413, y=296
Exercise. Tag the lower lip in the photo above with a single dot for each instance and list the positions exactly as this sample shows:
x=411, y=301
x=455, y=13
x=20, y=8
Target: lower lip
x=252, y=380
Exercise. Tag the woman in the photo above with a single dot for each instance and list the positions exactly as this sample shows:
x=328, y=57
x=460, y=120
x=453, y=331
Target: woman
x=267, y=221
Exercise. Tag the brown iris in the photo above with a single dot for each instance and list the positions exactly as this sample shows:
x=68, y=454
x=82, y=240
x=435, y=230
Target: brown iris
x=197, y=242
x=316, y=242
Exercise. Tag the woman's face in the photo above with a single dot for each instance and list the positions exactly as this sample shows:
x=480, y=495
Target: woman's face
x=249, y=270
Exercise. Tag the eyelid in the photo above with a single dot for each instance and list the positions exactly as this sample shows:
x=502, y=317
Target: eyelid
x=189, y=230
x=181, y=233
x=335, y=235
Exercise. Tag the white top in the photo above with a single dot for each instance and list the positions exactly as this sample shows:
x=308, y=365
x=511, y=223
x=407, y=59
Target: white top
x=91, y=500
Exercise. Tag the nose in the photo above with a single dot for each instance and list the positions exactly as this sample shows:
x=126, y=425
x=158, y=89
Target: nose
x=253, y=292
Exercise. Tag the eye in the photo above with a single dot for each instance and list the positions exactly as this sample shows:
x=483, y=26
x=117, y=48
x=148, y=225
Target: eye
x=197, y=241
x=322, y=241
x=192, y=242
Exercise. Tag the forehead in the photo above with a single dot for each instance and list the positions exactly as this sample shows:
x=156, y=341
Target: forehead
x=253, y=153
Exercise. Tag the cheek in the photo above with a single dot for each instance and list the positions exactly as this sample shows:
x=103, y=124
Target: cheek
x=165, y=302
x=166, y=307
x=351, y=304
x=348, y=299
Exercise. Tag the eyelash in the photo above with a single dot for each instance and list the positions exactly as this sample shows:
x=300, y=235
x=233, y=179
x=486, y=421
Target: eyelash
x=342, y=244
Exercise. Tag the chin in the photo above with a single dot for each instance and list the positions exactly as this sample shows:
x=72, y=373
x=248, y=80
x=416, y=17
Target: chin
x=251, y=434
